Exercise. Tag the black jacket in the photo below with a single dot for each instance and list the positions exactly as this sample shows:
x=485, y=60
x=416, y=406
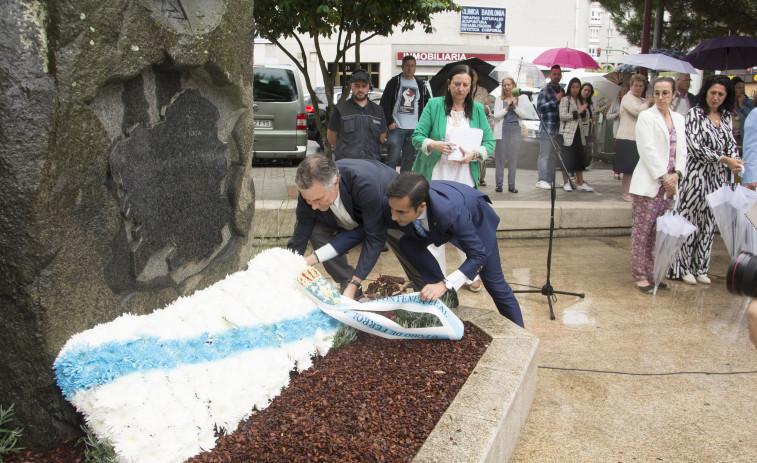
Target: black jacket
x=362, y=184
x=392, y=91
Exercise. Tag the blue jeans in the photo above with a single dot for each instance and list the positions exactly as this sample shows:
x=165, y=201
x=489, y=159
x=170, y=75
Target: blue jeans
x=546, y=163
x=400, y=143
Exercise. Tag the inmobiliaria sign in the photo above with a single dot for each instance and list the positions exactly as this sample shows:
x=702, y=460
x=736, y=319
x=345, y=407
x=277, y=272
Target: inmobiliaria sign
x=441, y=58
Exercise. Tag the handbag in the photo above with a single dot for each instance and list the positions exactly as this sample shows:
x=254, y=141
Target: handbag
x=588, y=152
x=523, y=130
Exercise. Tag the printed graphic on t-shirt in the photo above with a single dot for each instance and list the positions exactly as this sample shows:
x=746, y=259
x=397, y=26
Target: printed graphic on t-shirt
x=407, y=102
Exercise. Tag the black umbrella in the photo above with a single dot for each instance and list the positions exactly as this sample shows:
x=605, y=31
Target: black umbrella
x=483, y=69
x=723, y=53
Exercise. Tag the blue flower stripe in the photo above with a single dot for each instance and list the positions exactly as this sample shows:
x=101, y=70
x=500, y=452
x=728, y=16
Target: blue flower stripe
x=84, y=366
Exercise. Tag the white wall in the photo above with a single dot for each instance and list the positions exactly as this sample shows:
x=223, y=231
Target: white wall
x=530, y=28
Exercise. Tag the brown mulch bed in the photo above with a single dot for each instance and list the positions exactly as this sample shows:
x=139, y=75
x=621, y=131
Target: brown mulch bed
x=373, y=400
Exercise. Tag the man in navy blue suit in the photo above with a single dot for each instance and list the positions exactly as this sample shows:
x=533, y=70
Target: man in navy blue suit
x=442, y=211
x=340, y=205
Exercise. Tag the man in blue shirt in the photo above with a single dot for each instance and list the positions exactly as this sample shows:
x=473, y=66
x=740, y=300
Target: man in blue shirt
x=548, y=105
x=403, y=101
x=749, y=177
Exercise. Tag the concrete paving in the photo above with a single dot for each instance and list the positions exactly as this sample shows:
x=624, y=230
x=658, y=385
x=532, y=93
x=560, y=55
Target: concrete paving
x=623, y=376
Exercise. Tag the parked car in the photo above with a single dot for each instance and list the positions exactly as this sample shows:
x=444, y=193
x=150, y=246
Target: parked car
x=280, y=117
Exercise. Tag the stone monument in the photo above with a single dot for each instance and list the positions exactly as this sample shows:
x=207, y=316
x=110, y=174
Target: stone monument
x=125, y=144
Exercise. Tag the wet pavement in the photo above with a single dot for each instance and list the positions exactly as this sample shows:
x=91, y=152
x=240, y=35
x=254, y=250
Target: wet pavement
x=624, y=376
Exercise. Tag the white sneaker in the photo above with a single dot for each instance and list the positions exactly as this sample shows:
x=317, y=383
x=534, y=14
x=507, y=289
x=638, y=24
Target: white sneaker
x=543, y=185
x=689, y=279
x=703, y=279
x=585, y=187
x=567, y=187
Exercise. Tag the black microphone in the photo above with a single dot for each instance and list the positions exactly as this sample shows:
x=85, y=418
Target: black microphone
x=518, y=92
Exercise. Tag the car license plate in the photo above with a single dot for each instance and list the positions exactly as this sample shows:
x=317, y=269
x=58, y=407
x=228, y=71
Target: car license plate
x=263, y=123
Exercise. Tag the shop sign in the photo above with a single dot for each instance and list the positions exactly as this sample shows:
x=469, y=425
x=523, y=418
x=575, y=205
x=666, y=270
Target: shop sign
x=440, y=58
x=479, y=20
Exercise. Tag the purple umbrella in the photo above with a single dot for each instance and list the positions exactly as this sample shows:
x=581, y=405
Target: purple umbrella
x=722, y=53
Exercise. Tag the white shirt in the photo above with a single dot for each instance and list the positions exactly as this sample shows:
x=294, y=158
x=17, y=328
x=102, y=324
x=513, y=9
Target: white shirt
x=345, y=220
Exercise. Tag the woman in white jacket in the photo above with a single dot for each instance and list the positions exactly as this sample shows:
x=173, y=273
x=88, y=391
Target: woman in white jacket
x=661, y=142
x=507, y=132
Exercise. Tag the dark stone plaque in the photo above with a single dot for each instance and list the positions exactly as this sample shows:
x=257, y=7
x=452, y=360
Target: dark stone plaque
x=168, y=180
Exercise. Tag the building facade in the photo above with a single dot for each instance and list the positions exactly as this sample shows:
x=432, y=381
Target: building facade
x=493, y=30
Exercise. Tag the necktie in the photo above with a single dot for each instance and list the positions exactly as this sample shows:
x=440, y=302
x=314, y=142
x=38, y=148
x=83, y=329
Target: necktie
x=419, y=229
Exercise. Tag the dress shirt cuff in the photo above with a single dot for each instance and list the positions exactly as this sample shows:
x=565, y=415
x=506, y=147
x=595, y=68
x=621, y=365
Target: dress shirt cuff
x=482, y=153
x=456, y=280
x=325, y=253
x=424, y=146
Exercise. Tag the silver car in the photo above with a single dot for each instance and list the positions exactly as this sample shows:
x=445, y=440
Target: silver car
x=280, y=118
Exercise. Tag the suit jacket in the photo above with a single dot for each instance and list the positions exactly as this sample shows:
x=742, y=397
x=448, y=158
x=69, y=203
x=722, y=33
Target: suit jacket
x=653, y=143
x=456, y=212
x=362, y=184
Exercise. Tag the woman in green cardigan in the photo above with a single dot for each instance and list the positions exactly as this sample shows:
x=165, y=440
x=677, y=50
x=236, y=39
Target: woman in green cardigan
x=455, y=109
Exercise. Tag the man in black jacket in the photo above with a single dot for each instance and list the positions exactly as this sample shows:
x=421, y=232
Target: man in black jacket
x=403, y=101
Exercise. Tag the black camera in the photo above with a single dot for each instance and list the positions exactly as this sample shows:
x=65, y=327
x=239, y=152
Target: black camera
x=742, y=275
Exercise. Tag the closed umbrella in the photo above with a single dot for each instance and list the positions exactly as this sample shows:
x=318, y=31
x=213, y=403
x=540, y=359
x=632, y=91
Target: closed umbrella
x=728, y=205
x=483, y=69
x=566, y=58
x=524, y=73
x=672, y=231
x=723, y=53
x=659, y=62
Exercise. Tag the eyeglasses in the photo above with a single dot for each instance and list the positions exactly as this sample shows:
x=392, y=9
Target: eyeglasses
x=663, y=94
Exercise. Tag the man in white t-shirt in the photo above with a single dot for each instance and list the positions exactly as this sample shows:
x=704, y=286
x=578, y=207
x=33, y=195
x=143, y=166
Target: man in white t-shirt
x=403, y=101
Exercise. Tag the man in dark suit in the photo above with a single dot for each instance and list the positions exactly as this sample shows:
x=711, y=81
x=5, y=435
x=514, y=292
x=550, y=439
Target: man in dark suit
x=441, y=211
x=340, y=205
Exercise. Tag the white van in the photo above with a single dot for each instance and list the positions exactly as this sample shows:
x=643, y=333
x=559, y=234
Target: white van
x=279, y=112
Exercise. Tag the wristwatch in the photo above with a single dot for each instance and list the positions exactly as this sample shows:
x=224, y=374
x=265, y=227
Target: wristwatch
x=356, y=283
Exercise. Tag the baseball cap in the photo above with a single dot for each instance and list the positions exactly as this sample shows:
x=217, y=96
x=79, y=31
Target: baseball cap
x=361, y=74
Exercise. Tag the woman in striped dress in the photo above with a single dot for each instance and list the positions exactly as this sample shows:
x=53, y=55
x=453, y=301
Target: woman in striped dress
x=712, y=159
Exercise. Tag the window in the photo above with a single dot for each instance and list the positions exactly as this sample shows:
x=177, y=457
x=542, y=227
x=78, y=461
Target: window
x=593, y=34
x=595, y=15
x=274, y=85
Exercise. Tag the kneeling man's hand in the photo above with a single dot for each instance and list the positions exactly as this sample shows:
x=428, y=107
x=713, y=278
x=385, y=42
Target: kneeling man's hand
x=432, y=292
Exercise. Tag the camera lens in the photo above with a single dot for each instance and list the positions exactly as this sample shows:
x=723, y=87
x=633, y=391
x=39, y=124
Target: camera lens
x=741, y=278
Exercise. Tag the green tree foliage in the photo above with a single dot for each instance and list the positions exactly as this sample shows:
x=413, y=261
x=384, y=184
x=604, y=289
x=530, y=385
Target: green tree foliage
x=350, y=23
x=687, y=23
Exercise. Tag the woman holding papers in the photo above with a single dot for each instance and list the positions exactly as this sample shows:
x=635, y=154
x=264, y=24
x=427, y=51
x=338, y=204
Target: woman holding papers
x=439, y=157
x=448, y=148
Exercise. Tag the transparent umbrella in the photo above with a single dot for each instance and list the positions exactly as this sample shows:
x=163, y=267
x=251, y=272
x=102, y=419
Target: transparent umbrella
x=672, y=231
x=728, y=205
x=525, y=73
x=605, y=94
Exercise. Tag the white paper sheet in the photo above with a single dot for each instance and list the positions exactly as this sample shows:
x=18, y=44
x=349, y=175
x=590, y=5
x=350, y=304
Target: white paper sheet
x=464, y=137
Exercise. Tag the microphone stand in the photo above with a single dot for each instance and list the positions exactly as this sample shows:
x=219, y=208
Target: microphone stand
x=547, y=289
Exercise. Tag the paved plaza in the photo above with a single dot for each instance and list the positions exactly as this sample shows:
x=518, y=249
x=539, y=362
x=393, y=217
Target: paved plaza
x=623, y=376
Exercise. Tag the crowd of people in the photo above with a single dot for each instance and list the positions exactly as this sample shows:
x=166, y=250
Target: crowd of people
x=673, y=148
